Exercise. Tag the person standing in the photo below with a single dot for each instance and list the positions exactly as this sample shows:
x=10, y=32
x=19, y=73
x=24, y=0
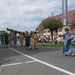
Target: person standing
x=27, y=40
x=32, y=36
x=21, y=38
x=35, y=40
x=6, y=40
x=67, y=46
x=14, y=39
x=10, y=39
x=2, y=39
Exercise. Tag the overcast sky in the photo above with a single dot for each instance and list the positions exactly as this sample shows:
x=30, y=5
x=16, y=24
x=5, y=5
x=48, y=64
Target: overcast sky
x=27, y=14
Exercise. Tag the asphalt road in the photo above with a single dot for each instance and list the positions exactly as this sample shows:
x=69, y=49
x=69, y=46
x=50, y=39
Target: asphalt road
x=44, y=61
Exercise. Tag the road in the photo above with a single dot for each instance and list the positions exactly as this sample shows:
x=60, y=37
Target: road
x=44, y=61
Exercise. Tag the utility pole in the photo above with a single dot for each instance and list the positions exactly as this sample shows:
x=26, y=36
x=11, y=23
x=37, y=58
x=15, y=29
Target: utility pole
x=64, y=12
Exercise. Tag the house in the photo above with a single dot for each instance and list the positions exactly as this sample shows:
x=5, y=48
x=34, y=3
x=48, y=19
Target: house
x=46, y=32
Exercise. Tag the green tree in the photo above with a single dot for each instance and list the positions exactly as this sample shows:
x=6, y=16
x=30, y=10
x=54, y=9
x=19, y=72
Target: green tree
x=52, y=24
x=73, y=21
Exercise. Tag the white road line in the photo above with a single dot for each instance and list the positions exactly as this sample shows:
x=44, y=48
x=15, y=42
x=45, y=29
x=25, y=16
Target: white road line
x=17, y=63
x=0, y=68
x=45, y=63
x=30, y=61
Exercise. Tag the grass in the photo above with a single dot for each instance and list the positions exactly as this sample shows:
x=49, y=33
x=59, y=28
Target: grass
x=50, y=45
x=54, y=45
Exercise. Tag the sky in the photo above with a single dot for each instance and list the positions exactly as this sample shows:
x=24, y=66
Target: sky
x=25, y=15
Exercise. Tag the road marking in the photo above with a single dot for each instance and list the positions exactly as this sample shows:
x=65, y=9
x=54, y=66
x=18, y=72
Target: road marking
x=17, y=63
x=45, y=63
x=0, y=68
x=30, y=61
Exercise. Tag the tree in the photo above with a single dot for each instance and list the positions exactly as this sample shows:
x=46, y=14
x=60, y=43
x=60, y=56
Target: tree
x=73, y=21
x=52, y=24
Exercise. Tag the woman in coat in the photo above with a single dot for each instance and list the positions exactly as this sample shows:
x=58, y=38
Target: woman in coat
x=21, y=39
x=35, y=40
x=10, y=39
x=67, y=47
x=2, y=40
x=6, y=39
x=27, y=40
x=15, y=39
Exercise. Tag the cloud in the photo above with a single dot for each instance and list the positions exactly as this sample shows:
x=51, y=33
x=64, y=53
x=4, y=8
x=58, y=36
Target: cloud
x=27, y=14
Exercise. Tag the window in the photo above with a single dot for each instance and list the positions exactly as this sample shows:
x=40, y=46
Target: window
x=72, y=28
x=48, y=31
x=44, y=36
x=44, y=31
x=60, y=29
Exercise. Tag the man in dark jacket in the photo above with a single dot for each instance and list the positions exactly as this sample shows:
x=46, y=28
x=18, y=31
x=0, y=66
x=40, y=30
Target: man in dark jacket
x=6, y=40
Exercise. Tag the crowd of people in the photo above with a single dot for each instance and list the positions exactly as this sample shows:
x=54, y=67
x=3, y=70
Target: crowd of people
x=8, y=40
x=24, y=39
